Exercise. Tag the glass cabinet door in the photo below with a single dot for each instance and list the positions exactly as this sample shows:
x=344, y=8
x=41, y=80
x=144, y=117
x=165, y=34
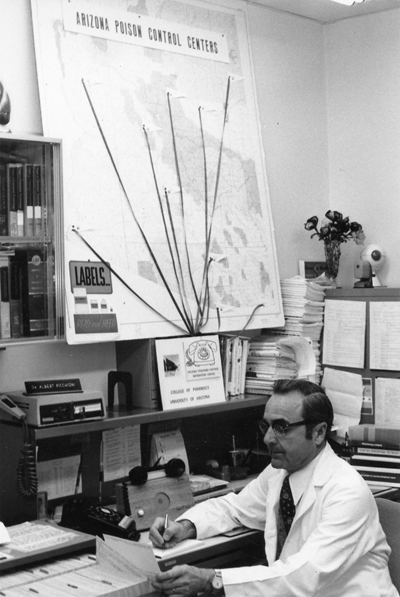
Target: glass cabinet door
x=31, y=263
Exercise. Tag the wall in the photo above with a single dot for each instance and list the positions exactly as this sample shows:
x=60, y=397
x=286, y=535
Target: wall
x=288, y=57
x=363, y=91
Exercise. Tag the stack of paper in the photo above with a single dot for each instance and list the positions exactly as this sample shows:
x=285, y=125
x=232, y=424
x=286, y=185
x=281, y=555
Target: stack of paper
x=269, y=359
x=303, y=307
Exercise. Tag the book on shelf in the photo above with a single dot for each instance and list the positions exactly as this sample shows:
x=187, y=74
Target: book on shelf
x=15, y=298
x=375, y=461
x=378, y=450
x=245, y=354
x=33, y=291
x=38, y=200
x=3, y=201
x=20, y=199
x=12, y=200
x=388, y=476
x=368, y=435
x=5, y=322
x=234, y=351
x=28, y=202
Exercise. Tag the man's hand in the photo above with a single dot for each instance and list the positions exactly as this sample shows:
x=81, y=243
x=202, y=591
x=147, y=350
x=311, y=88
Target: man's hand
x=173, y=534
x=183, y=581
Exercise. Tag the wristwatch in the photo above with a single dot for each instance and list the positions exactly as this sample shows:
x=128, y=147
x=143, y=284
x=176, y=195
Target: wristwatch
x=217, y=584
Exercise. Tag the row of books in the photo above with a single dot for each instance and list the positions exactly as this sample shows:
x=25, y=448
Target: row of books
x=375, y=454
x=234, y=353
x=21, y=199
x=23, y=296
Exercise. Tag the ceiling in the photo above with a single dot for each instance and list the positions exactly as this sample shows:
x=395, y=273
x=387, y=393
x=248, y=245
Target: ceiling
x=327, y=11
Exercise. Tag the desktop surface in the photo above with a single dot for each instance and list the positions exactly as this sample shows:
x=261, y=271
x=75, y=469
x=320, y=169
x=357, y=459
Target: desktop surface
x=33, y=542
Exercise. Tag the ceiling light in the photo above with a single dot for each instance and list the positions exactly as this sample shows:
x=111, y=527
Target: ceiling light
x=348, y=2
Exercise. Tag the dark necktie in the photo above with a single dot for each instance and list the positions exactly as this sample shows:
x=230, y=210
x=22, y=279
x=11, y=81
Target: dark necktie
x=286, y=504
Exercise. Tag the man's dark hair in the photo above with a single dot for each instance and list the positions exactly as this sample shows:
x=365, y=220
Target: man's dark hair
x=317, y=407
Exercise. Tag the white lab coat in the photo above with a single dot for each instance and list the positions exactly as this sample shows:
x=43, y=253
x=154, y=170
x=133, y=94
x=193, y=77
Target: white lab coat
x=335, y=547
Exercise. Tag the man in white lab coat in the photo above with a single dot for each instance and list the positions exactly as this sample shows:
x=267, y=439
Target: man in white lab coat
x=335, y=546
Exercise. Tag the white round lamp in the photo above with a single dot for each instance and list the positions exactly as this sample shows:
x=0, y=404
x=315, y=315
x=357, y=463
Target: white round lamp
x=375, y=256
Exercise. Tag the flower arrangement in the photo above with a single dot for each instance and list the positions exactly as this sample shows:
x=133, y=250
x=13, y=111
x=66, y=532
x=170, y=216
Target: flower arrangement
x=334, y=230
x=334, y=227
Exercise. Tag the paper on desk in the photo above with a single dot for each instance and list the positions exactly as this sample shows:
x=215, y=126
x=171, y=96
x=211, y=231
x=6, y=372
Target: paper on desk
x=29, y=536
x=123, y=556
x=345, y=391
x=182, y=547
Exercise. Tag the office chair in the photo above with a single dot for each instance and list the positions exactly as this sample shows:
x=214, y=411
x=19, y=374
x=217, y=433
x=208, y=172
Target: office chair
x=389, y=516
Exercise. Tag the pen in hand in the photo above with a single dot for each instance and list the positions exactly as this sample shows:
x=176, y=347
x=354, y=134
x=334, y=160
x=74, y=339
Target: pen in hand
x=165, y=523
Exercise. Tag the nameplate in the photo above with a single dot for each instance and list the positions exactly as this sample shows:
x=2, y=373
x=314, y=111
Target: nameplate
x=53, y=386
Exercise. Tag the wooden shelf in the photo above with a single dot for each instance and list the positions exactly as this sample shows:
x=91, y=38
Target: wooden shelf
x=140, y=416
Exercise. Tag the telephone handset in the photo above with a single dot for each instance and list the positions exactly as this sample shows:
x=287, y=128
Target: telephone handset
x=27, y=481
x=9, y=407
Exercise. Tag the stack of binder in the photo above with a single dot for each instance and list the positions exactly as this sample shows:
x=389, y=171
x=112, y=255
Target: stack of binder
x=376, y=454
x=303, y=307
x=269, y=359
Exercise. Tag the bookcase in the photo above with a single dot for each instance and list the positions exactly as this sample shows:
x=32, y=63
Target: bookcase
x=382, y=297
x=31, y=260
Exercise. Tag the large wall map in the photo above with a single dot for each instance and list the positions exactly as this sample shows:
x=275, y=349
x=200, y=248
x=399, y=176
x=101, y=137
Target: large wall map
x=154, y=102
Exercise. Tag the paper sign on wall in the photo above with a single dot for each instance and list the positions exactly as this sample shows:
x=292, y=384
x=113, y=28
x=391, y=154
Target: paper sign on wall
x=190, y=371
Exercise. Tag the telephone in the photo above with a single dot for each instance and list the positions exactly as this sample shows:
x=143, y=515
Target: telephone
x=95, y=519
x=27, y=481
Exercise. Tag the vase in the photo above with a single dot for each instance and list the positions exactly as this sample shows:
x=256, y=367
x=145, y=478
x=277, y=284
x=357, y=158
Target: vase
x=332, y=258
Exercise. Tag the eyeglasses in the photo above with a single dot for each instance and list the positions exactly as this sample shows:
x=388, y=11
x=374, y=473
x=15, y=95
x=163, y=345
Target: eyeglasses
x=279, y=429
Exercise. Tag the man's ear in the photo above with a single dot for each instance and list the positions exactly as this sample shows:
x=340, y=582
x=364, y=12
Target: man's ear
x=319, y=433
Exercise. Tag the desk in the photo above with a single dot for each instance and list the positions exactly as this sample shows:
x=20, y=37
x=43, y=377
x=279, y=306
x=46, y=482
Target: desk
x=48, y=578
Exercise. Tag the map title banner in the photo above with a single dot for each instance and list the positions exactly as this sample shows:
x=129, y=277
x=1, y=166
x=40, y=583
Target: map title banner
x=132, y=28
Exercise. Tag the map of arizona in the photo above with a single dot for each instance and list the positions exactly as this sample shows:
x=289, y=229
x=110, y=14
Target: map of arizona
x=163, y=167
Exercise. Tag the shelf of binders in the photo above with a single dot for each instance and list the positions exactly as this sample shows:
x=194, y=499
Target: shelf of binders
x=31, y=259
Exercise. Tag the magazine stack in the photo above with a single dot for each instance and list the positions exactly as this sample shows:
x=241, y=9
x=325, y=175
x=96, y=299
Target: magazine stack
x=269, y=358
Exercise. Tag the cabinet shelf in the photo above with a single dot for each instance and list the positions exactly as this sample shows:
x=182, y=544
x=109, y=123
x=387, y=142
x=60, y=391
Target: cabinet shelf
x=143, y=416
x=207, y=431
